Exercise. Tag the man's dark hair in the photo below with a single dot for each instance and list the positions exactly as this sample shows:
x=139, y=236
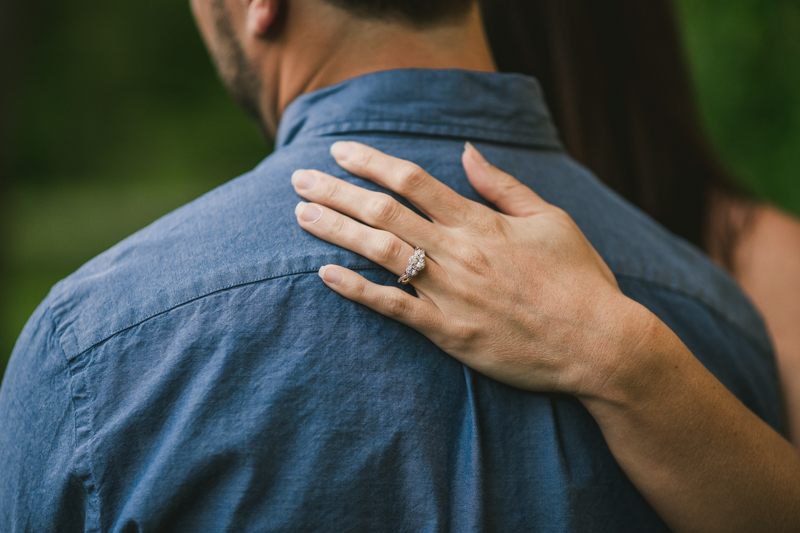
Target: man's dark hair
x=416, y=12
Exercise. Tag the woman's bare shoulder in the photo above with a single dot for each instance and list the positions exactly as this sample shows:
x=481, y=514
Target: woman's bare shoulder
x=767, y=257
x=767, y=266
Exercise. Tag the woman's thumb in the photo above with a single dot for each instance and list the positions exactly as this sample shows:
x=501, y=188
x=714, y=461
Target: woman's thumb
x=498, y=188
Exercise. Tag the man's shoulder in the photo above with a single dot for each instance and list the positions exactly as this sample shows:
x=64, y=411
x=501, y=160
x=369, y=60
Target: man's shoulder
x=245, y=232
x=241, y=233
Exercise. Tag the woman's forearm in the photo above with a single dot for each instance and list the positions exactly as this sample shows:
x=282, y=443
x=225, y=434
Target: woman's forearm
x=700, y=457
x=522, y=297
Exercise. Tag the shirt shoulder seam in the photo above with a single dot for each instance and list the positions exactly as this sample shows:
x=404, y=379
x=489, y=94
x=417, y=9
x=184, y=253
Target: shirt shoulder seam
x=700, y=301
x=205, y=294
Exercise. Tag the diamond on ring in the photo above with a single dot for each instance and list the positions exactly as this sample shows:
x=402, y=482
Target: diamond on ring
x=415, y=265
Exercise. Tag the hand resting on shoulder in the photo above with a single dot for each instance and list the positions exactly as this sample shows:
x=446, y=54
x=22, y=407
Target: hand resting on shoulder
x=522, y=297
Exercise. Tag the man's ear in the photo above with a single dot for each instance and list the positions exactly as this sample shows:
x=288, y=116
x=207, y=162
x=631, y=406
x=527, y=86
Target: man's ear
x=261, y=15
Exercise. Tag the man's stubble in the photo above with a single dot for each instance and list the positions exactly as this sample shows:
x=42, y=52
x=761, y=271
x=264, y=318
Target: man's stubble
x=237, y=74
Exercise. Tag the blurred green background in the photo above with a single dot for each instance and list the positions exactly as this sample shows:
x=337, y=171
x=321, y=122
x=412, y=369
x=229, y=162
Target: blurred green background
x=113, y=116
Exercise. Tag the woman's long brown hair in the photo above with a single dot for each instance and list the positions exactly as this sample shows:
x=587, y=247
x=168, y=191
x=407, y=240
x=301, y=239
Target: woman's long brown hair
x=615, y=78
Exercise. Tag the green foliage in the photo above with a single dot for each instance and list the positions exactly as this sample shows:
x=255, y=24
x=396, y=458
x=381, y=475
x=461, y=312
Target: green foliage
x=745, y=56
x=125, y=90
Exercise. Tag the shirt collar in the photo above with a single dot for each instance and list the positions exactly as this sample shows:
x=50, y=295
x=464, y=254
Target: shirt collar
x=478, y=106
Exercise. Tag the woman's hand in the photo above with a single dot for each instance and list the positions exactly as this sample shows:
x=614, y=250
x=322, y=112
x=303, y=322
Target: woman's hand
x=520, y=296
x=524, y=298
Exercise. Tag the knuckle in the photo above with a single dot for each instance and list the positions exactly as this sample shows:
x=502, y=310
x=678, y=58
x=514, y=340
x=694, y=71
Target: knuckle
x=464, y=331
x=512, y=186
x=508, y=183
x=388, y=248
x=562, y=218
x=395, y=303
x=383, y=208
x=331, y=188
x=366, y=159
x=360, y=290
x=409, y=178
x=336, y=226
x=461, y=334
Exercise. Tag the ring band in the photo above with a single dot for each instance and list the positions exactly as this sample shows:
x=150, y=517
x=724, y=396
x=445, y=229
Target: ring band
x=415, y=265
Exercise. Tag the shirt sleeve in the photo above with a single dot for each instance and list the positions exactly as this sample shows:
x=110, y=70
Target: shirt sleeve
x=39, y=487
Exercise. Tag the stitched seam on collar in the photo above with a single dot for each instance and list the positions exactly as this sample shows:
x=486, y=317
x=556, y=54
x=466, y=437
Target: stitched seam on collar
x=518, y=137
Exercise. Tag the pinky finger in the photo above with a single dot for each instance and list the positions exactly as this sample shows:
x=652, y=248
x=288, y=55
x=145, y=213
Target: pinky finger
x=388, y=301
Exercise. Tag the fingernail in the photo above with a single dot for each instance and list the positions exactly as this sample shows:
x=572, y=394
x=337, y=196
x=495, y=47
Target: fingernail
x=468, y=147
x=308, y=212
x=303, y=179
x=330, y=275
x=341, y=149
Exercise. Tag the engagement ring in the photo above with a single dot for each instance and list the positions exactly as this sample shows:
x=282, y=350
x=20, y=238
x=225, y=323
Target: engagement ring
x=415, y=265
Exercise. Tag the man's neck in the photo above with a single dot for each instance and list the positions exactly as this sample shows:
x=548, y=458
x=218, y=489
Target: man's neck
x=361, y=46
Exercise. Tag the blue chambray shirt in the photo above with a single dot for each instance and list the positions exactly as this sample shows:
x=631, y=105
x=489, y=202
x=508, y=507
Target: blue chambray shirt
x=199, y=376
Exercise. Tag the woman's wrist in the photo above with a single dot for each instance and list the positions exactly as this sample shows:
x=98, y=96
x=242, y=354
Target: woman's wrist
x=697, y=454
x=635, y=360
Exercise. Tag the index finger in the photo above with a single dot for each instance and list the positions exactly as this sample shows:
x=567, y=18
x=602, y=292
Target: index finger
x=438, y=201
